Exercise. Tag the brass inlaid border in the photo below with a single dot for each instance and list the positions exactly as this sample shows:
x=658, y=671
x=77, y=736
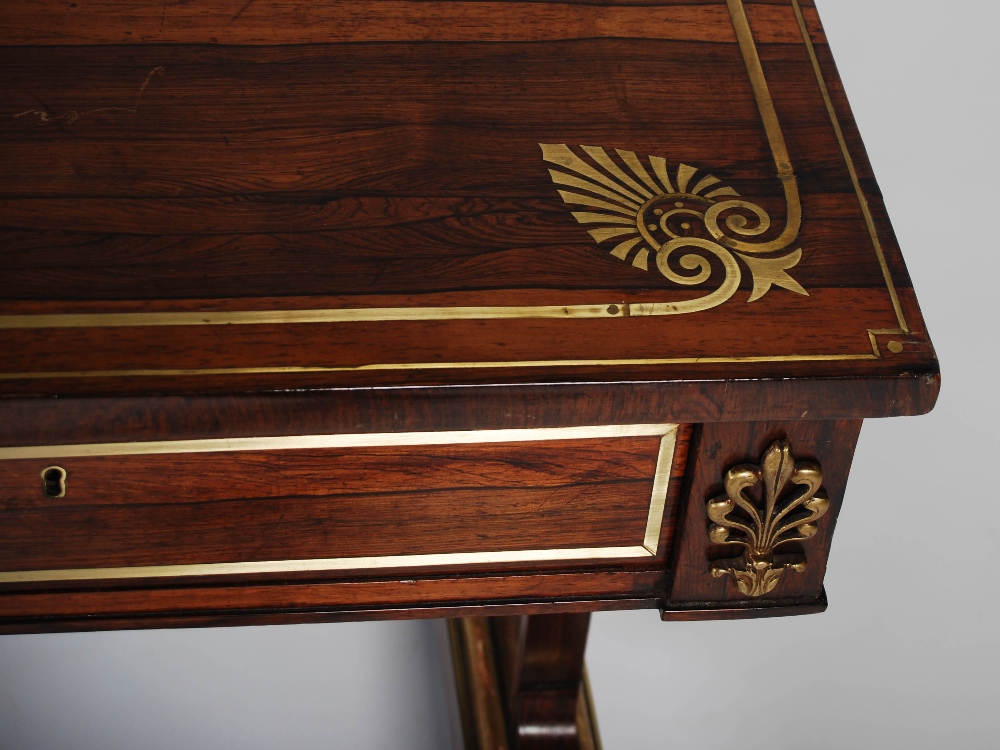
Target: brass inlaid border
x=769, y=117
x=658, y=499
x=772, y=127
x=283, y=317
x=849, y=162
x=648, y=548
x=340, y=440
x=439, y=366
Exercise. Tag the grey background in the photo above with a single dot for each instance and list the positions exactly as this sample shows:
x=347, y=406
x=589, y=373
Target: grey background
x=907, y=654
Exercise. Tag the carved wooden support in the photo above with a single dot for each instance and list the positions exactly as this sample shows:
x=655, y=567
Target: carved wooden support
x=521, y=682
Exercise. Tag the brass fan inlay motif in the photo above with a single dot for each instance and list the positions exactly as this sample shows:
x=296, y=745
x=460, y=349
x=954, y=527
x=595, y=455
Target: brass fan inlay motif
x=652, y=216
x=792, y=502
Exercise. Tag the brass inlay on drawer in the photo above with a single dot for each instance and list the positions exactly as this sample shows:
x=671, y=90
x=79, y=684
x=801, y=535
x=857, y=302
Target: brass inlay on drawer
x=647, y=547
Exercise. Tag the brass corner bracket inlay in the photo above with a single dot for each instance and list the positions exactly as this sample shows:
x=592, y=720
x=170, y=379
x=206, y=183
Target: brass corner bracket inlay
x=738, y=234
x=695, y=213
x=678, y=222
x=792, y=501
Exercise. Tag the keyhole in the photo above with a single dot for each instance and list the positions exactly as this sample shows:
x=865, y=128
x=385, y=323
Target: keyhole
x=54, y=481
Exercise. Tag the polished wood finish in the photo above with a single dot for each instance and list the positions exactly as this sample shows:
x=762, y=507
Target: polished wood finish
x=721, y=446
x=42, y=421
x=274, y=22
x=274, y=218
x=484, y=726
x=522, y=682
x=175, y=158
x=541, y=667
x=329, y=519
x=225, y=158
x=434, y=499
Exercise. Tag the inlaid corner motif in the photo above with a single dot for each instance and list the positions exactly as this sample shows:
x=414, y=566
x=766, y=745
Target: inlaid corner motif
x=676, y=220
x=791, y=503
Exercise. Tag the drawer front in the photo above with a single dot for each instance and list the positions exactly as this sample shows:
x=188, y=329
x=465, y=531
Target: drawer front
x=365, y=502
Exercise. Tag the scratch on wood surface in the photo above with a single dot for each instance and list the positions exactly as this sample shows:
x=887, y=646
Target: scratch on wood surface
x=44, y=115
x=242, y=10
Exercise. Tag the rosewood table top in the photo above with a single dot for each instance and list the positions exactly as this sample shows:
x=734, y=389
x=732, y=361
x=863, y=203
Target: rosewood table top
x=392, y=308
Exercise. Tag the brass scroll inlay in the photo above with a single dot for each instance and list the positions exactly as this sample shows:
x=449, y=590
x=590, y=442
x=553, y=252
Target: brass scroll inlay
x=645, y=211
x=651, y=216
x=792, y=501
x=763, y=272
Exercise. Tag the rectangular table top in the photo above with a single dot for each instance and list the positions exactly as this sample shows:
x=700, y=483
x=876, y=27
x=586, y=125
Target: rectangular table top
x=265, y=196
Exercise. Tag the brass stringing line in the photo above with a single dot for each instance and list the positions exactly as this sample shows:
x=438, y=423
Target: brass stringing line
x=437, y=366
x=810, y=49
x=661, y=483
x=779, y=150
x=618, y=192
x=760, y=89
x=871, y=337
x=657, y=502
x=341, y=440
x=276, y=317
x=873, y=332
x=769, y=117
x=322, y=564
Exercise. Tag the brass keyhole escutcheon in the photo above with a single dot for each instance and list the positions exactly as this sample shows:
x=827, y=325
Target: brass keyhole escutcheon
x=54, y=481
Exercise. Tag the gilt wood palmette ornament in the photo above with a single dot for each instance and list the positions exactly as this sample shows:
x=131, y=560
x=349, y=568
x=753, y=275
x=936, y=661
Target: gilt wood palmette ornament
x=791, y=502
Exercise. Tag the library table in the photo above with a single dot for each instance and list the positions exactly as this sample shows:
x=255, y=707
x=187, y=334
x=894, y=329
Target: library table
x=505, y=312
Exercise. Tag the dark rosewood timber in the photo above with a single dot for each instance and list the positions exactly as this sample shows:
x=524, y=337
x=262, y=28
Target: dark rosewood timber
x=46, y=421
x=332, y=503
x=694, y=593
x=521, y=682
x=220, y=159
x=722, y=446
x=292, y=597
x=541, y=667
x=228, y=220
x=273, y=22
x=477, y=683
x=397, y=164
x=743, y=609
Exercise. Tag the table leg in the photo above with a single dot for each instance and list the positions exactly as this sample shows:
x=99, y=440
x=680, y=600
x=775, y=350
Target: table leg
x=522, y=683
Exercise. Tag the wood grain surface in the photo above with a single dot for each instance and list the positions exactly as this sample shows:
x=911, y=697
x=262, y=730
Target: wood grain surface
x=489, y=594
x=234, y=157
x=272, y=156
x=288, y=505
x=283, y=22
x=540, y=660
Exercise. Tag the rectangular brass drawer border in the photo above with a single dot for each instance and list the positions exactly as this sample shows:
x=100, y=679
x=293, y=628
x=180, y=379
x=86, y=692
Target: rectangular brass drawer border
x=648, y=548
